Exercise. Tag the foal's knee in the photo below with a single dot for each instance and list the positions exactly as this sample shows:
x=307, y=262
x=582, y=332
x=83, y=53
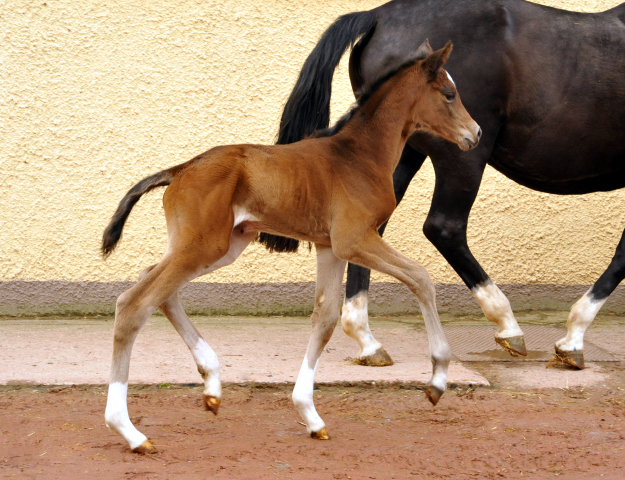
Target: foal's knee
x=427, y=291
x=326, y=314
x=324, y=319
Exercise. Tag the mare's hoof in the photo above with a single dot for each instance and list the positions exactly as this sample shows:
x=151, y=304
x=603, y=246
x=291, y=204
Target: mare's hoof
x=379, y=358
x=515, y=346
x=433, y=394
x=573, y=358
x=321, y=434
x=212, y=403
x=145, y=447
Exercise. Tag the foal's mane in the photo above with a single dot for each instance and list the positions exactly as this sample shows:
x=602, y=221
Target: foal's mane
x=366, y=95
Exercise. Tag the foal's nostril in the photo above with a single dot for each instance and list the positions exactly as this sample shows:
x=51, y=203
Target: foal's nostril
x=479, y=134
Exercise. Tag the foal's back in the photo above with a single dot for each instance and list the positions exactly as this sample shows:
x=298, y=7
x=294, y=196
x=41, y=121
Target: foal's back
x=291, y=189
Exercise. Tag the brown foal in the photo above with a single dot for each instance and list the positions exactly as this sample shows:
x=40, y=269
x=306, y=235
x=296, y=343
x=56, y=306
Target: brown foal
x=312, y=190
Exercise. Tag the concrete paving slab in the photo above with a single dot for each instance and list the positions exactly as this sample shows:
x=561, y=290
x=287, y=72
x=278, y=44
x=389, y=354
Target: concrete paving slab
x=256, y=349
x=271, y=349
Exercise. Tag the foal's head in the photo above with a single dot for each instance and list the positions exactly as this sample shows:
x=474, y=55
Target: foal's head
x=438, y=109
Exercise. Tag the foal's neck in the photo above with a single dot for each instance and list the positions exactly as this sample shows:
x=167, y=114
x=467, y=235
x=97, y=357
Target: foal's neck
x=378, y=132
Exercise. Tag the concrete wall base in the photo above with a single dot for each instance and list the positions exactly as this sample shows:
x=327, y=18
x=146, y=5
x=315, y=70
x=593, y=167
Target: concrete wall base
x=21, y=298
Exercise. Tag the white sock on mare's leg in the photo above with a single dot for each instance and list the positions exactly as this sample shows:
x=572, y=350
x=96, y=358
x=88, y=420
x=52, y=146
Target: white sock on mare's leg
x=581, y=316
x=355, y=323
x=496, y=308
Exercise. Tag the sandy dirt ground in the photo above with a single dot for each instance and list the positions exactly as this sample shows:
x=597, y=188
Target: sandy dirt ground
x=499, y=420
x=377, y=433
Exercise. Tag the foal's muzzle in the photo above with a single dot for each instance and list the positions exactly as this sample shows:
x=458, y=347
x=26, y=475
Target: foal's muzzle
x=471, y=139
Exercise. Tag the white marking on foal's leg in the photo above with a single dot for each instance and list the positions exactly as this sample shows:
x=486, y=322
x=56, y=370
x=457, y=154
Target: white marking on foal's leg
x=208, y=366
x=496, y=308
x=441, y=356
x=303, y=397
x=355, y=323
x=116, y=415
x=440, y=353
x=582, y=315
x=204, y=356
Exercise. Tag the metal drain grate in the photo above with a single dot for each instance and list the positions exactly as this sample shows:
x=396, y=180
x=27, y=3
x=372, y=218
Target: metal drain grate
x=476, y=343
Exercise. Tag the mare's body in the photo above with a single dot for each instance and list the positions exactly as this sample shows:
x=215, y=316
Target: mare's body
x=547, y=87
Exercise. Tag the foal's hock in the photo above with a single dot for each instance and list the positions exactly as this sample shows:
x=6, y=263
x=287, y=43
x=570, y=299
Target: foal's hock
x=312, y=190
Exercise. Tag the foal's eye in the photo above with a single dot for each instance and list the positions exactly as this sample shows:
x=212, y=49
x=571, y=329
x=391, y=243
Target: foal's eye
x=449, y=93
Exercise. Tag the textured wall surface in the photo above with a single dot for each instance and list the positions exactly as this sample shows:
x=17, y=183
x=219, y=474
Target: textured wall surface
x=95, y=96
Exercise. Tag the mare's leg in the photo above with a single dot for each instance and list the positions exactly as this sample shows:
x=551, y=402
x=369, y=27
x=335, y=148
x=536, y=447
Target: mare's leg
x=330, y=271
x=204, y=356
x=354, y=318
x=458, y=178
x=374, y=253
x=571, y=348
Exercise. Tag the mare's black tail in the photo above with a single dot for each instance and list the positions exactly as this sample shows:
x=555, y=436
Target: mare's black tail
x=308, y=106
x=113, y=231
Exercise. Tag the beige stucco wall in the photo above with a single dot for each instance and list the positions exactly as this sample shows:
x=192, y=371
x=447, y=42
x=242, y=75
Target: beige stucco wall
x=94, y=96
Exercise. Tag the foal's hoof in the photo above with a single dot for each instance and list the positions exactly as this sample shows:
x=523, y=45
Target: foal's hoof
x=212, y=403
x=515, y=346
x=144, y=448
x=379, y=358
x=433, y=394
x=573, y=358
x=321, y=434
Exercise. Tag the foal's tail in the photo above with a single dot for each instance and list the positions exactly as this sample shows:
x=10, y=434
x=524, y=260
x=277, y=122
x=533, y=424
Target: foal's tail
x=113, y=231
x=308, y=106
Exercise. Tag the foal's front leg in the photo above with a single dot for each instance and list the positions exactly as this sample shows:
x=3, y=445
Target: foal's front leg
x=330, y=272
x=374, y=253
x=355, y=315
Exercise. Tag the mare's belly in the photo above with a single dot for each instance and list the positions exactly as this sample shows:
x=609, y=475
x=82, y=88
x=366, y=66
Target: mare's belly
x=557, y=159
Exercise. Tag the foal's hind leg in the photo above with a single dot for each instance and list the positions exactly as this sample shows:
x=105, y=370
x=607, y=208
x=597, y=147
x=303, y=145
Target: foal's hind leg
x=330, y=272
x=570, y=349
x=374, y=253
x=204, y=356
x=134, y=307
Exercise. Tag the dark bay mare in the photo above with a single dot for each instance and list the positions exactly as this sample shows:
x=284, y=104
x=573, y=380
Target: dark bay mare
x=547, y=86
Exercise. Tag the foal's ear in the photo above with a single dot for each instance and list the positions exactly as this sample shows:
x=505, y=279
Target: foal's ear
x=436, y=60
